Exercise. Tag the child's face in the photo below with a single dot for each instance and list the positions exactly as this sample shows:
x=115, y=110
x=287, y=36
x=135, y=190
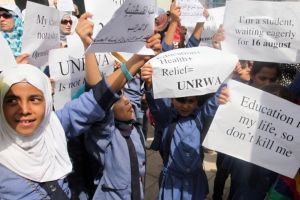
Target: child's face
x=123, y=110
x=187, y=107
x=264, y=77
x=24, y=108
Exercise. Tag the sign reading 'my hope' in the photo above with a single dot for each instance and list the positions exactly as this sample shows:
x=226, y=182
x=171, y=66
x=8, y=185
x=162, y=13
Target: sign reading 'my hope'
x=41, y=32
x=262, y=30
x=128, y=29
x=262, y=129
x=190, y=71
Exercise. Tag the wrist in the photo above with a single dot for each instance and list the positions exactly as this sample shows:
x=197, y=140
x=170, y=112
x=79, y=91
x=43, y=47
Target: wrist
x=126, y=72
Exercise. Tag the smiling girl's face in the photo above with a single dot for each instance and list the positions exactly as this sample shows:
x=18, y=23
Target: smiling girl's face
x=24, y=108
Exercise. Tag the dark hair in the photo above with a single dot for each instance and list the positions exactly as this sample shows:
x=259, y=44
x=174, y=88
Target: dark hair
x=280, y=91
x=200, y=99
x=184, y=99
x=3, y=9
x=258, y=65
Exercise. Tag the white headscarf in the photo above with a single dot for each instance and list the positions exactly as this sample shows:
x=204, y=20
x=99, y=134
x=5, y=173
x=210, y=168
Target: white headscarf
x=43, y=156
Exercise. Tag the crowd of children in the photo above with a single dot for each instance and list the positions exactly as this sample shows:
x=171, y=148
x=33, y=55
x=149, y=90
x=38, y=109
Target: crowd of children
x=94, y=147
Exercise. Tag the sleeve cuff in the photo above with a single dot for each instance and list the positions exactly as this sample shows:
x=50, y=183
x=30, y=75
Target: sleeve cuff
x=104, y=96
x=193, y=41
x=166, y=47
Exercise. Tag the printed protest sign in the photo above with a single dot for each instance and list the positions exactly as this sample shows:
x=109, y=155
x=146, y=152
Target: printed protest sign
x=41, y=32
x=69, y=72
x=7, y=58
x=211, y=25
x=128, y=29
x=257, y=127
x=263, y=30
x=190, y=71
x=191, y=12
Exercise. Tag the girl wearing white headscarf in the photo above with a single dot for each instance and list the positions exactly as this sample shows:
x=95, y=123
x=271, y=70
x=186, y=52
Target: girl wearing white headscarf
x=26, y=161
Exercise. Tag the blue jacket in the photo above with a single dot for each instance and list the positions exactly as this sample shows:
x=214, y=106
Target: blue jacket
x=106, y=143
x=182, y=176
x=76, y=117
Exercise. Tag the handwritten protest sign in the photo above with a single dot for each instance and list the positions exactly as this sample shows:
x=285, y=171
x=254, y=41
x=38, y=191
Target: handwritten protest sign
x=102, y=12
x=263, y=30
x=41, y=32
x=65, y=5
x=191, y=12
x=69, y=72
x=128, y=29
x=7, y=58
x=262, y=129
x=211, y=26
x=190, y=71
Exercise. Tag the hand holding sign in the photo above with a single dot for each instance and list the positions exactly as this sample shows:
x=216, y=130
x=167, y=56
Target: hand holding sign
x=146, y=74
x=84, y=29
x=175, y=12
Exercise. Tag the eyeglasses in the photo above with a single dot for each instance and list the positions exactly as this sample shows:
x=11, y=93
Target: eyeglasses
x=5, y=15
x=65, y=22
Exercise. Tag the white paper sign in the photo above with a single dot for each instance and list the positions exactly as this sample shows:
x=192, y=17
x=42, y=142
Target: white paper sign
x=215, y=19
x=191, y=12
x=41, y=32
x=69, y=72
x=102, y=12
x=7, y=58
x=65, y=5
x=257, y=127
x=211, y=26
x=127, y=31
x=263, y=30
x=190, y=71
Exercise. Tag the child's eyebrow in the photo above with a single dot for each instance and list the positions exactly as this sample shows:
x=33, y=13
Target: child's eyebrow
x=10, y=96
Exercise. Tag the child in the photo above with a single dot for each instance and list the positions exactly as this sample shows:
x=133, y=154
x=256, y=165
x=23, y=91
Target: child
x=249, y=181
x=181, y=122
x=33, y=154
x=115, y=140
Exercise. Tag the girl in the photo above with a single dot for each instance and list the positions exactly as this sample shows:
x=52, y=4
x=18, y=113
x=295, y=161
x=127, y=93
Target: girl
x=181, y=122
x=249, y=181
x=115, y=141
x=33, y=154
